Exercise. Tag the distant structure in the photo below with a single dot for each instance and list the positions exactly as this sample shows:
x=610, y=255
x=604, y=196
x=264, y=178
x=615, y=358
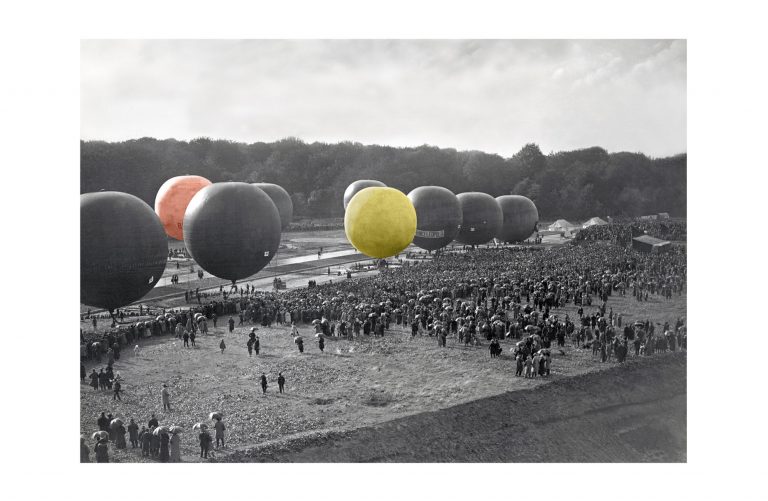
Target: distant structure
x=649, y=244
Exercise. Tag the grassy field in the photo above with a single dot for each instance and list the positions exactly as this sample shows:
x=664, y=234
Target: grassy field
x=352, y=385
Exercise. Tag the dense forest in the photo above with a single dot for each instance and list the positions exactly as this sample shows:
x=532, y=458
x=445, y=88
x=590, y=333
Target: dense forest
x=569, y=184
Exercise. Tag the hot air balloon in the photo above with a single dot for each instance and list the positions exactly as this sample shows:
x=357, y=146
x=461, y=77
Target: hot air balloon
x=519, y=218
x=439, y=216
x=232, y=230
x=282, y=201
x=172, y=199
x=353, y=188
x=123, y=249
x=481, y=218
x=380, y=222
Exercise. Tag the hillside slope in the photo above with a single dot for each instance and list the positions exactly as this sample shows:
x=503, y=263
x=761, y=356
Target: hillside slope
x=630, y=413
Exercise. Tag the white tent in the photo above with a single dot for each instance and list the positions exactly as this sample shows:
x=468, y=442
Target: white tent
x=562, y=225
x=594, y=221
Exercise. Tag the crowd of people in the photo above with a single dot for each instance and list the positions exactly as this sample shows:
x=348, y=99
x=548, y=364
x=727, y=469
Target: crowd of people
x=484, y=296
x=622, y=233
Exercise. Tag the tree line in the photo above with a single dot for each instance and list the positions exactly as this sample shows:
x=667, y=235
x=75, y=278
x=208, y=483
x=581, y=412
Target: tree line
x=569, y=184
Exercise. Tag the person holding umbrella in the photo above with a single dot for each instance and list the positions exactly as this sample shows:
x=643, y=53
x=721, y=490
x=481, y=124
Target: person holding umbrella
x=175, y=444
x=102, y=450
x=119, y=434
x=164, y=443
x=205, y=440
x=300, y=343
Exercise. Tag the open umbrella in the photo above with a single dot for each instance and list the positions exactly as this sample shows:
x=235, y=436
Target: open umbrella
x=115, y=423
x=216, y=415
x=161, y=429
x=199, y=426
x=315, y=321
x=100, y=435
x=176, y=429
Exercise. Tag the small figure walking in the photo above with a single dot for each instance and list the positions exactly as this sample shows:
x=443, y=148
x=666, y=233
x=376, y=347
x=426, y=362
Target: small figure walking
x=263, y=383
x=166, y=398
x=280, y=381
x=219, y=429
x=222, y=346
x=117, y=386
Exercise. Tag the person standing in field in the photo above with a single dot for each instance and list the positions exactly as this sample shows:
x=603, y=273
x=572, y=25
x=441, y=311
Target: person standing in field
x=222, y=346
x=175, y=448
x=166, y=397
x=231, y=324
x=133, y=433
x=263, y=383
x=102, y=451
x=219, y=430
x=250, y=347
x=117, y=387
x=280, y=381
x=528, y=366
x=85, y=452
x=205, y=442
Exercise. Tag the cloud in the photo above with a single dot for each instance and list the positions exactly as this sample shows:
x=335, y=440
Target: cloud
x=492, y=95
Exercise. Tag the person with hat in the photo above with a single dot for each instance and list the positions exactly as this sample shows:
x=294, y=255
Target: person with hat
x=205, y=441
x=153, y=421
x=166, y=397
x=133, y=433
x=219, y=431
x=120, y=436
x=103, y=422
x=280, y=381
x=102, y=451
x=94, y=379
x=117, y=386
x=145, y=437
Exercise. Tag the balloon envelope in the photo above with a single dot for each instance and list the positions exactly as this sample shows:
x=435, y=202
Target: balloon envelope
x=481, y=218
x=172, y=199
x=519, y=218
x=123, y=249
x=353, y=188
x=438, y=214
x=282, y=201
x=232, y=230
x=380, y=222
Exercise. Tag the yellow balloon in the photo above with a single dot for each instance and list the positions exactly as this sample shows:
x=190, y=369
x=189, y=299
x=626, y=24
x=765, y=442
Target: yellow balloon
x=380, y=222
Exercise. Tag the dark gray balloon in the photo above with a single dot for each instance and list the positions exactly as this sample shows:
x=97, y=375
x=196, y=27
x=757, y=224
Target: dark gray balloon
x=282, y=201
x=438, y=216
x=519, y=218
x=481, y=218
x=353, y=188
x=232, y=230
x=123, y=249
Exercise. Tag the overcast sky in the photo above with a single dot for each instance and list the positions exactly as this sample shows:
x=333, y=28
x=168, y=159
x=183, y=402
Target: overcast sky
x=494, y=96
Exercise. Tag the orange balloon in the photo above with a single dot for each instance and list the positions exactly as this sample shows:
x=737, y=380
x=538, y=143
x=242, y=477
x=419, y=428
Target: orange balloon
x=172, y=200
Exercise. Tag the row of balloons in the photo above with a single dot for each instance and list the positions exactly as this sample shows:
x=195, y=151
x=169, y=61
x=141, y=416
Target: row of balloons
x=381, y=221
x=232, y=230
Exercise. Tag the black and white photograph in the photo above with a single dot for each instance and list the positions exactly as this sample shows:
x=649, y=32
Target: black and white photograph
x=402, y=252
x=348, y=251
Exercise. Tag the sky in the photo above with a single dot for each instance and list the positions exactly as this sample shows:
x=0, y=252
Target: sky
x=488, y=95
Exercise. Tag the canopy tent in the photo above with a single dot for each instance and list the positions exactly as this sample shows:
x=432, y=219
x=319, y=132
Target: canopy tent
x=562, y=225
x=646, y=243
x=595, y=221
